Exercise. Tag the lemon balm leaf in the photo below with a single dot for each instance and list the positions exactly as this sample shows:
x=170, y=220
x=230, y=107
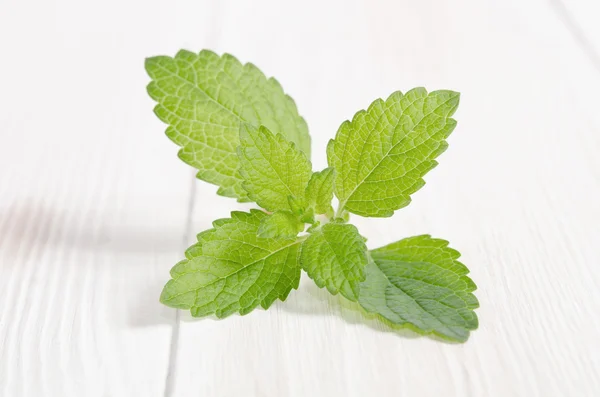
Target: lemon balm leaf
x=319, y=191
x=273, y=168
x=381, y=156
x=419, y=281
x=335, y=256
x=281, y=224
x=232, y=270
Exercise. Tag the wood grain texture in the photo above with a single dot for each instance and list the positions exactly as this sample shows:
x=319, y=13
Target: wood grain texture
x=580, y=17
x=95, y=207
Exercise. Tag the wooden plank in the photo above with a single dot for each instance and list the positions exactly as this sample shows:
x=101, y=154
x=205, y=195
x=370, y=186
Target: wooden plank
x=515, y=193
x=580, y=18
x=94, y=205
x=93, y=200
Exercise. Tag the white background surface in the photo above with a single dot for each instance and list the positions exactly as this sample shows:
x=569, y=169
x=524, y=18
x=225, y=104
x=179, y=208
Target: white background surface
x=95, y=207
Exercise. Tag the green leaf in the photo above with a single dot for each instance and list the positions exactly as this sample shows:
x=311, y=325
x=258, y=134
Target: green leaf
x=281, y=224
x=297, y=205
x=319, y=191
x=419, y=281
x=381, y=156
x=205, y=97
x=231, y=270
x=272, y=167
x=335, y=257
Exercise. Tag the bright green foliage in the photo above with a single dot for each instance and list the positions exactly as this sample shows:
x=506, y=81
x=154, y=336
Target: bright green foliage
x=205, y=97
x=319, y=191
x=272, y=167
x=381, y=155
x=335, y=257
x=300, y=208
x=419, y=281
x=242, y=133
x=231, y=269
x=282, y=224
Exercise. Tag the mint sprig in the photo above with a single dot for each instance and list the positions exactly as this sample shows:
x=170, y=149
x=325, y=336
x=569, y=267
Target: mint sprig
x=244, y=134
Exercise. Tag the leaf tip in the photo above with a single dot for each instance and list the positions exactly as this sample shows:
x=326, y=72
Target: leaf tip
x=149, y=64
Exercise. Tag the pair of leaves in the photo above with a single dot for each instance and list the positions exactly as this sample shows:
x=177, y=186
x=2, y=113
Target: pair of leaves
x=204, y=98
x=417, y=280
x=244, y=134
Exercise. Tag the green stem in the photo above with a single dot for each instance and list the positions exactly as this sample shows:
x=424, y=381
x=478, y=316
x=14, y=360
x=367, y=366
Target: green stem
x=340, y=210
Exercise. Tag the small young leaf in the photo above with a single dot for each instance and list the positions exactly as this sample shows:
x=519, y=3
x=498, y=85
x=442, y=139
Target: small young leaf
x=231, y=269
x=335, y=257
x=312, y=228
x=204, y=98
x=281, y=224
x=301, y=209
x=319, y=191
x=419, y=281
x=381, y=156
x=297, y=205
x=272, y=168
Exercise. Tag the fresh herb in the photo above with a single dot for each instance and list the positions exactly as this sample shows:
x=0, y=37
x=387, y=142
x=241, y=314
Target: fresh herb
x=244, y=134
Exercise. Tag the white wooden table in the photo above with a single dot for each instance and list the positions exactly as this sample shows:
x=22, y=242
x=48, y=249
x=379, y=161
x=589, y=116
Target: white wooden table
x=95, y=207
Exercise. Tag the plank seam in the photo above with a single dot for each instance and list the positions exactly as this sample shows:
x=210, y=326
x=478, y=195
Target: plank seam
x=174, y=346
x=576, y=32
